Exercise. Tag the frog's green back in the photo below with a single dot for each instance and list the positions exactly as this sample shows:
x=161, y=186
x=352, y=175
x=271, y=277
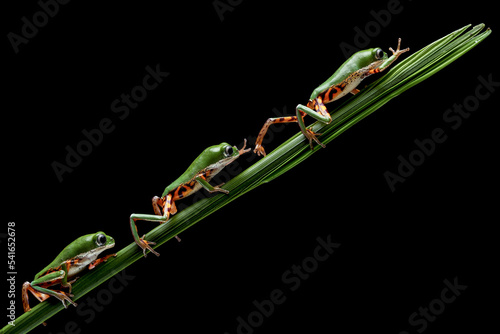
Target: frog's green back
x=209, y=156
x=81, y=245
x=357, y=61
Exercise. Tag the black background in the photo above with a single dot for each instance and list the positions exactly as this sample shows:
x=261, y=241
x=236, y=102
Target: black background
x=225, y=78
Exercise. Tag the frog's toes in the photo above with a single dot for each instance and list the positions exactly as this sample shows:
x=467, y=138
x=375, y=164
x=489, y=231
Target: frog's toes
x=311, y=135
x=398, y=50
x=259, y=150
x=144, y=244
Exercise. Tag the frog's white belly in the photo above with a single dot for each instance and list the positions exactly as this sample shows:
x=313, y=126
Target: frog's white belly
x=349, y=87
x=86, y=259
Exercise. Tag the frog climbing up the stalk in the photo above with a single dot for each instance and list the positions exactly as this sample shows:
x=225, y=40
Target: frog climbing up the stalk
x=359, y=66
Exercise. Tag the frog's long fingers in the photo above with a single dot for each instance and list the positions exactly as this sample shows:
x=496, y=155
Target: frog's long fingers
x=258, y=142
x=390, y=60
x=399, y=44
x=398, y=51
x=312, y=136
x=145, y=246
x=67, y=285
x=73, y=280
x=242, y=150
x=64, y=298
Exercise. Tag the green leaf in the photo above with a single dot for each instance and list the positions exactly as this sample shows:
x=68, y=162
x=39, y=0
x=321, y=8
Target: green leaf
x=409, y=72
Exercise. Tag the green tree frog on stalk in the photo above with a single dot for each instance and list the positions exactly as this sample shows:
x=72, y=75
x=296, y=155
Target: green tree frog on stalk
x=360, y=65
x=198, y=175
x=71, y=261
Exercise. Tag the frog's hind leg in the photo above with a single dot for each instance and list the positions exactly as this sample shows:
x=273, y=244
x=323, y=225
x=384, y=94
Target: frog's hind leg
x=320, y=113
x=159, y=203
x=162, y=205
x=39, y=289
x=38, y=295
x=167, y=203
x=258, y=142
x=25, y=297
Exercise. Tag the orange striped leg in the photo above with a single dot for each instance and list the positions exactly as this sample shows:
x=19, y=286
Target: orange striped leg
x=258, y=142
x=40, y=296
x=373, y=71
x=159, y=203
x=97, y=262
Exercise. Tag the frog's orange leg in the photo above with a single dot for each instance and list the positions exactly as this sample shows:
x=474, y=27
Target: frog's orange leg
x=61, y=295
x=170, y=208
x=25, y=297
x=320, y=113
x=97, y=262
x=258, y=142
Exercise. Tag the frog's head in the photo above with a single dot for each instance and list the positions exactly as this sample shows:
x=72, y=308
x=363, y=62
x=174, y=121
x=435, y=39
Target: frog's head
x=89, y=244
x=102, y=241
x=224, y=153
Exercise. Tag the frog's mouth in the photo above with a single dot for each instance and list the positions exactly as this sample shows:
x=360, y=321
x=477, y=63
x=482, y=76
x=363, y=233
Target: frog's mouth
x=103, y=248
x=98, y=250
x=226, y=161
x=219, y=165
x=86, y=259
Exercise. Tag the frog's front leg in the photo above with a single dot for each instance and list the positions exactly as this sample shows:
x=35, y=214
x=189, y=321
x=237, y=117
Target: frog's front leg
x=97, y=262
x=390, y=60
x=202, y=180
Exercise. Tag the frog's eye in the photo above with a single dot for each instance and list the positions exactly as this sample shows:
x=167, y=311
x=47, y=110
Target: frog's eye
x=228, y=151
x=100, y=240
x=379, y=54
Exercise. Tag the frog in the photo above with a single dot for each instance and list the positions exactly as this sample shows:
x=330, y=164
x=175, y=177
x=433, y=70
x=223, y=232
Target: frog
x=72, y=260
x=345, y=80
x=197, y=176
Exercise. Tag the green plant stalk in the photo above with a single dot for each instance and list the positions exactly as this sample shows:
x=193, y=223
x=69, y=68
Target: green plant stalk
x=406, y=74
